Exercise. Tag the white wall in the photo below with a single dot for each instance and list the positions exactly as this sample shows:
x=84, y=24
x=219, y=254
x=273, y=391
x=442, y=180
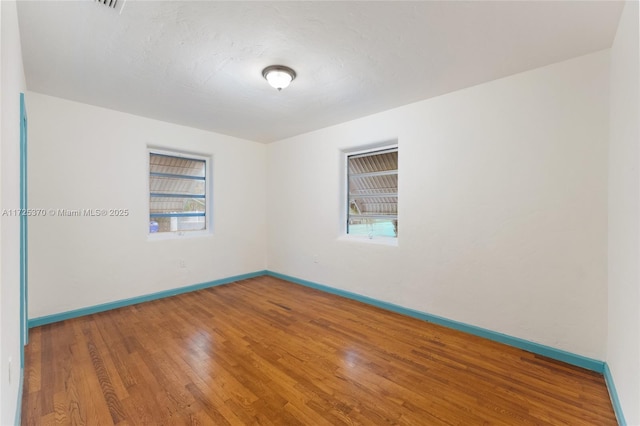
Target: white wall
x=503, y=198
x=82, y=156
x=12, y=84
x=623, y=349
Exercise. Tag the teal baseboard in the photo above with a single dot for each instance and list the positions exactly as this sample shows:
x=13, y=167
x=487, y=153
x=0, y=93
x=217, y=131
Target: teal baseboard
x=48, y=319
x=613, y=394
x=558, y=354
x=537, y=348
x=18, y=417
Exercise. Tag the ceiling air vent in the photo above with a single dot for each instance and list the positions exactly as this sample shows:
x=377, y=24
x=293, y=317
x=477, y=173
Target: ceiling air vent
x=117, y=5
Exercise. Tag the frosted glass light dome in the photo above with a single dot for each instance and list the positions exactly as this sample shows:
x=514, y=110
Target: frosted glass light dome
x=279, y=76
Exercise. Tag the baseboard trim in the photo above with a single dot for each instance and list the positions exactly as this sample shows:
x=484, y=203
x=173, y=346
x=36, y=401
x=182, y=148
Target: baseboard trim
x=18, y=417
x=537, y=348
x=613, y=394
x=48, y=319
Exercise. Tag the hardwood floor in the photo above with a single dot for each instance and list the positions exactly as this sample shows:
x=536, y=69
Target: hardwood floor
x=265, y=351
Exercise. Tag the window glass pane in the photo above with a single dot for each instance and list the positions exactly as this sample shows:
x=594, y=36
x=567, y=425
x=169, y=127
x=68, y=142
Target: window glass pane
x=176, y=205
x=177, y=193
x=166, y=185
x=160, y=163
x=175, y=224
x=373, y=184
x=363, y=163
x=373, y=206
x=373, y=227
x=373, y=193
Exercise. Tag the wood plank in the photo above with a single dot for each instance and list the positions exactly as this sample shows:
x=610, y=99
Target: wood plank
x=266, y=351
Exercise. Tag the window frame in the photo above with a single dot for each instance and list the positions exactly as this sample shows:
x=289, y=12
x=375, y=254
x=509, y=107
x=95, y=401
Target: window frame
x=208, y=216
x=370, y=149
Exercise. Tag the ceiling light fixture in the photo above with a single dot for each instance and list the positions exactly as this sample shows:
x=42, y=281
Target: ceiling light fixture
x=278, y=76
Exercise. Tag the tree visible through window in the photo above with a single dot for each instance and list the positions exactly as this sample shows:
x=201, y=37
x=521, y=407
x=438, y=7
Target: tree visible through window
x=373, y=193
x=177, y=193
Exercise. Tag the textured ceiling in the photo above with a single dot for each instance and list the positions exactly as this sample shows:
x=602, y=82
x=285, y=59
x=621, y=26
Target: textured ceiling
x=199, y=63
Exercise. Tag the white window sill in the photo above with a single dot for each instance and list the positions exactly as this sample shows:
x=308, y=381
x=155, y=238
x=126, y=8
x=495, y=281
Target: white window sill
x=180, y=235
x=385, y=241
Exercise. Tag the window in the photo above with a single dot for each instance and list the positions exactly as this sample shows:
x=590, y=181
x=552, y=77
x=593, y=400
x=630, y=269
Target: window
x=177, y=193
x=372, y=182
